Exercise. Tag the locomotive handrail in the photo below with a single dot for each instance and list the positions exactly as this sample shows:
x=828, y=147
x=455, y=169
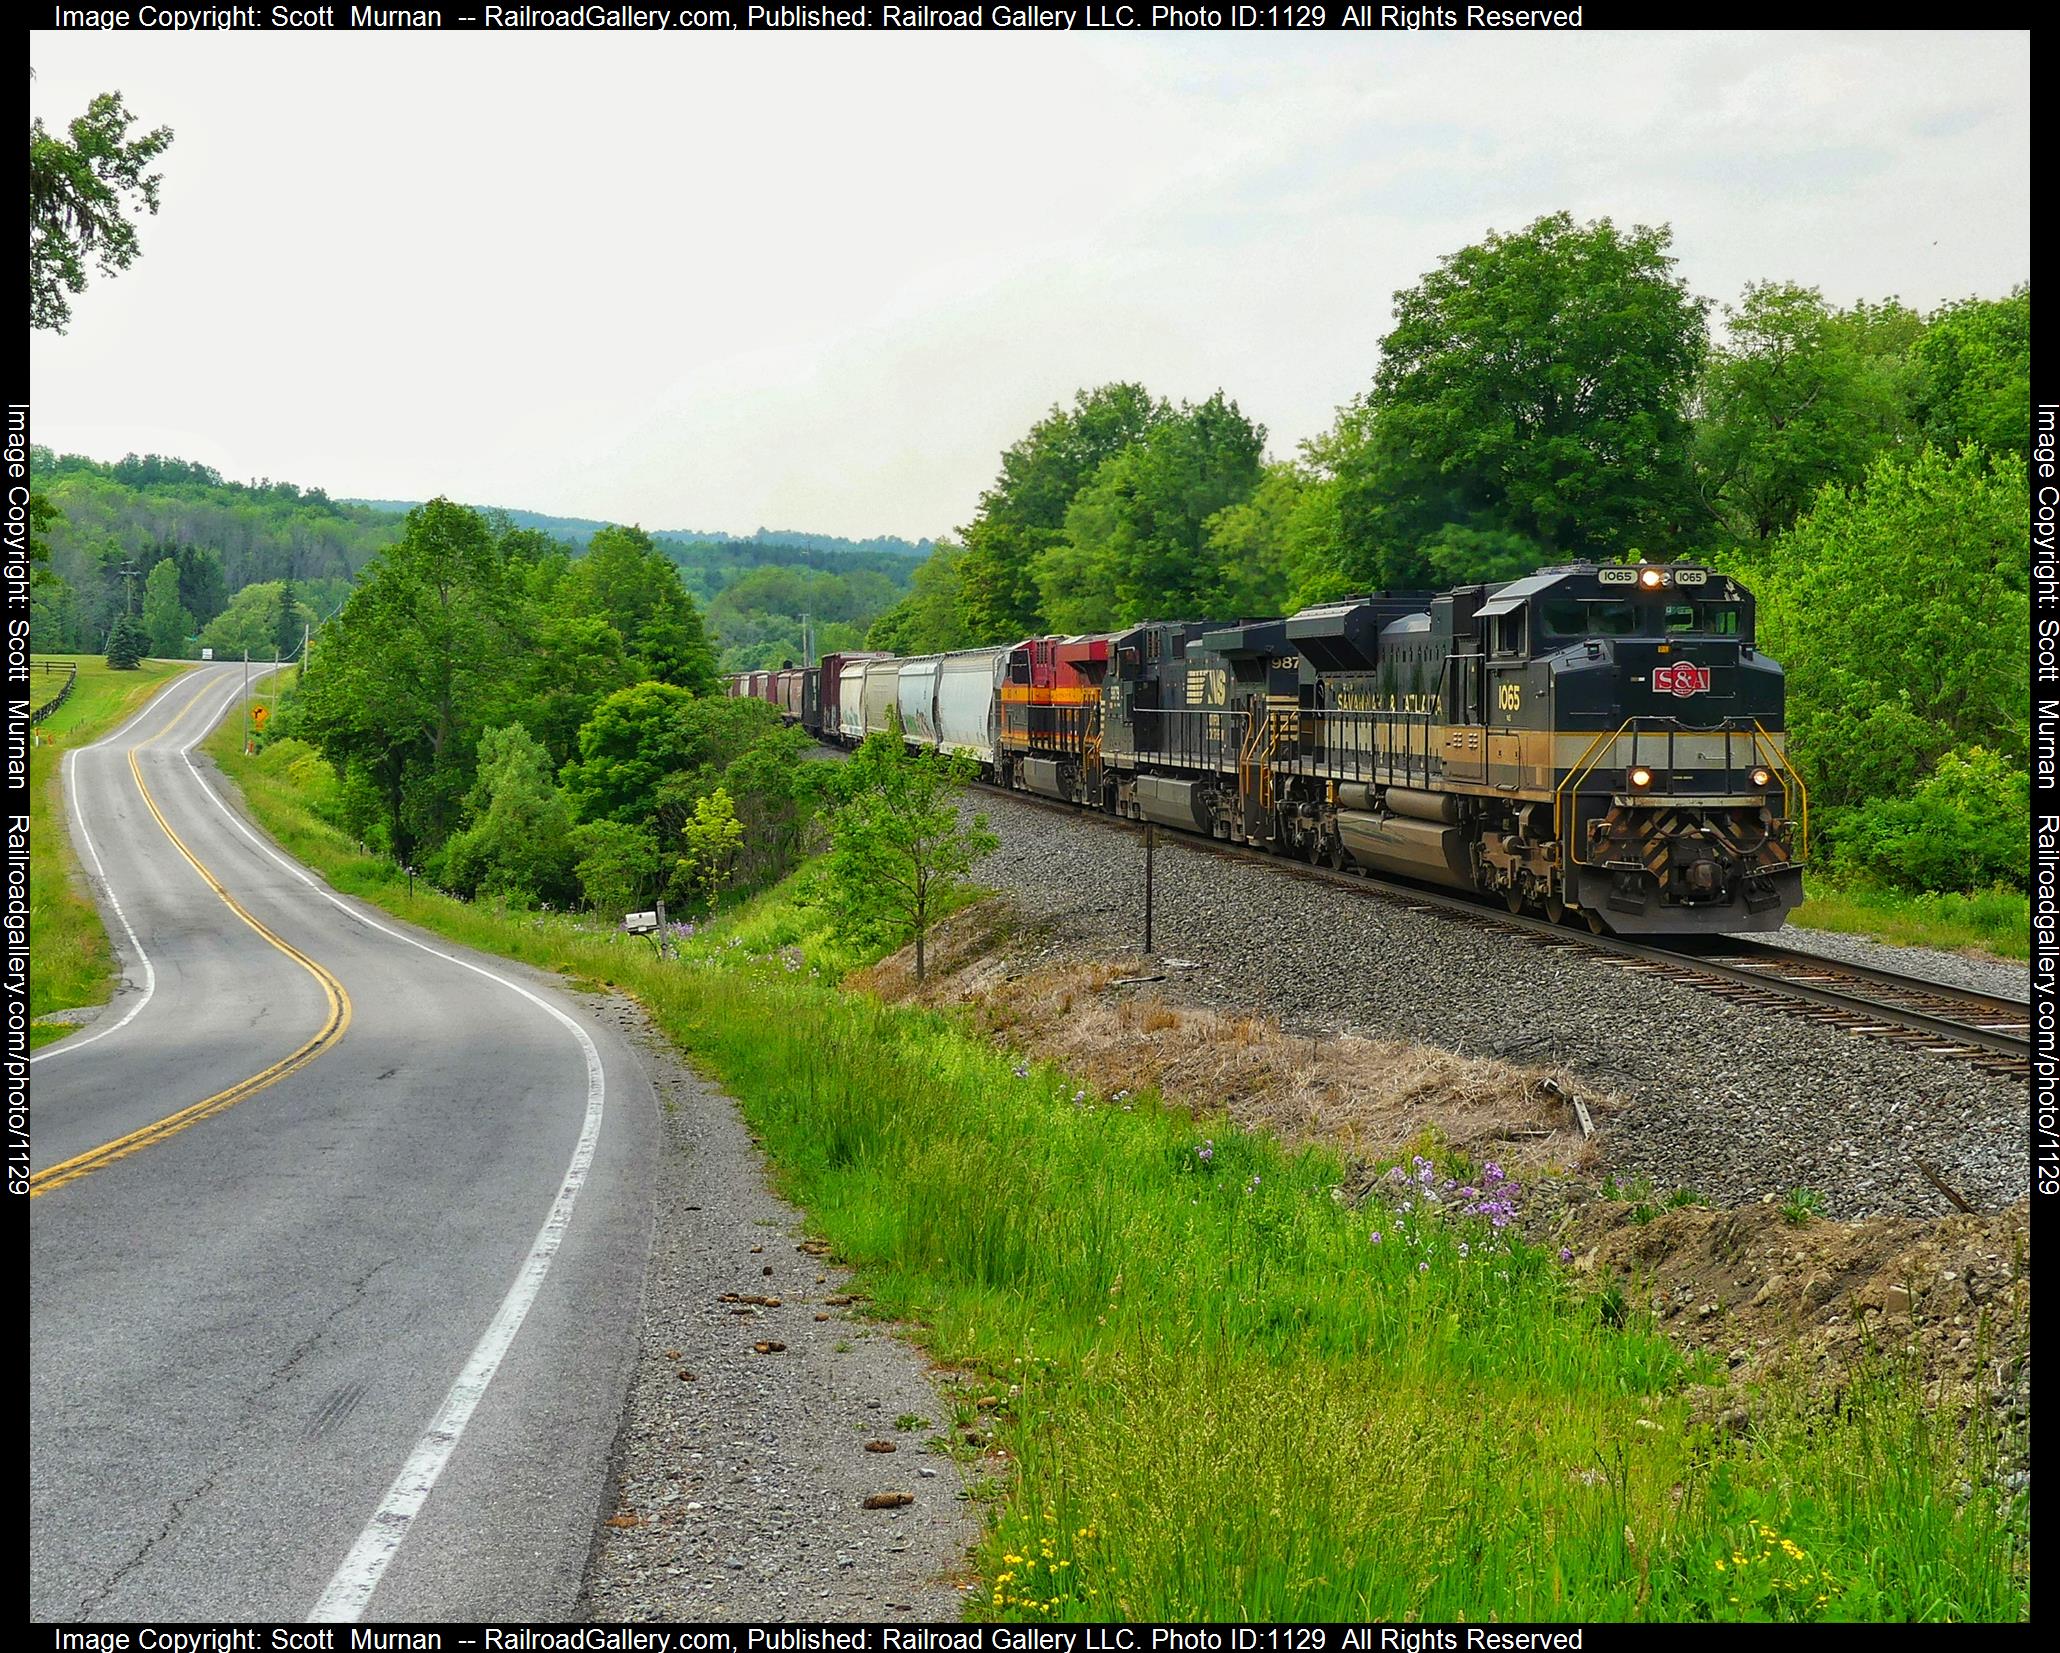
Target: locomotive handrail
x=1790, y=775
x=1574, y=777
x=1590, y=761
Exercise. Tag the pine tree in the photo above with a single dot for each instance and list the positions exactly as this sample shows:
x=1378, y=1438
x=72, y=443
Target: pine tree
x=127, y=643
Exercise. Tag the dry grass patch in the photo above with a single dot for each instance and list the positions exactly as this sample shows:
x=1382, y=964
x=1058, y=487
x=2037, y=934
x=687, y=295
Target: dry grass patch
x=1121, y=1024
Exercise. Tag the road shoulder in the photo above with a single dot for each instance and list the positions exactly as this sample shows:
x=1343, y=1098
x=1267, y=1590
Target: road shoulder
x=741, y=1487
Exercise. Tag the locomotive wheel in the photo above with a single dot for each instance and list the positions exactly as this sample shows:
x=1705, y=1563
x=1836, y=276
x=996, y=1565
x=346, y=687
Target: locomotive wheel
x=1513, y=901
x=1555, y=909
x=1595, y=922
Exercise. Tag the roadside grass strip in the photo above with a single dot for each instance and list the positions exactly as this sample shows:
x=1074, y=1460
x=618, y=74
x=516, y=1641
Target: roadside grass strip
x=1203, y=1384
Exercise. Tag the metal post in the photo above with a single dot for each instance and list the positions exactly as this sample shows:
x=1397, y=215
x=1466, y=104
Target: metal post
x=1151, y=842
x=246, y=706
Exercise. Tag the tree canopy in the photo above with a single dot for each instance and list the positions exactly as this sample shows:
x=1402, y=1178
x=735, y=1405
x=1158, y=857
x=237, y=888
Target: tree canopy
x=1533, y=391
x=84, y=190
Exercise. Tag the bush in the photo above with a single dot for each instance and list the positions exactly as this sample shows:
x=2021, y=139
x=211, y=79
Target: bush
x=1966, y=827
x=616, y=864
x=517, y=845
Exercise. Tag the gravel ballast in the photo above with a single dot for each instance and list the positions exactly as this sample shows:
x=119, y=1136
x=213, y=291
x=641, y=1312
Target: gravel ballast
x=1980, y=975
x=741, y=1488
x=1734, y=1103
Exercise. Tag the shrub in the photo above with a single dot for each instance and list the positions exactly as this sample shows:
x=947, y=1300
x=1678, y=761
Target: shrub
x=1965, y=828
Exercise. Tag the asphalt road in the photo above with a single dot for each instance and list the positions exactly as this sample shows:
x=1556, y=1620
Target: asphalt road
x=337, y=1244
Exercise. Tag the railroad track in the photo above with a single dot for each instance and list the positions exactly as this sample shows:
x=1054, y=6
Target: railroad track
x=1981, y=1029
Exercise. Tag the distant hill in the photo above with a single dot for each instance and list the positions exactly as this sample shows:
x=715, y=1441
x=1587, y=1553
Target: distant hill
x=580, y=529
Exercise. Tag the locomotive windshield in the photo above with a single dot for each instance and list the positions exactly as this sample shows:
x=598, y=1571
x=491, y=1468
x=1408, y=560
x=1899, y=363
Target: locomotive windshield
x=1571, y=617
x=1567, y=617
x=1708, y=619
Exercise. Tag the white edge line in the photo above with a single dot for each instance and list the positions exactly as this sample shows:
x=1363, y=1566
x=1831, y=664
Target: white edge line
x=68, y=773
x=350, y=1590
x=68, y=776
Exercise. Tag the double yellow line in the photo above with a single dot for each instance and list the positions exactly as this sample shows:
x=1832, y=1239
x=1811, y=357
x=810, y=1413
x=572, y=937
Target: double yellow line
x=332, y=1029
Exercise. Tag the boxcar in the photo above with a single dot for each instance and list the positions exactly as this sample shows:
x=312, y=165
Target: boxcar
x=812, y=700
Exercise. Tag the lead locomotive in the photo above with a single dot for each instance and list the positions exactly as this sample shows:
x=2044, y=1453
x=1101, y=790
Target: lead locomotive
x=1599, y=740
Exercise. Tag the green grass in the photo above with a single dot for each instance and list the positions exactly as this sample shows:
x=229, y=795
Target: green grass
x=1223, y=1399
x=1994, y=921
x=70, y=963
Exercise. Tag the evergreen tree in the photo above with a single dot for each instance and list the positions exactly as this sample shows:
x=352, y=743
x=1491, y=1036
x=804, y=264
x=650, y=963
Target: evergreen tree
x=127, y=643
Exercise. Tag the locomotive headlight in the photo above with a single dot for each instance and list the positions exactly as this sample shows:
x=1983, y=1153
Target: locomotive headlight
x=1640, y=778
x=1762, y=778
x=1651, y=578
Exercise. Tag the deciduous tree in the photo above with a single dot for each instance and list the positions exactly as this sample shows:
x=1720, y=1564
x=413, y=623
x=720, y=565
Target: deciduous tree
x=165, y=618
x=1535, y=384
x=899, y=846
x=84, y=188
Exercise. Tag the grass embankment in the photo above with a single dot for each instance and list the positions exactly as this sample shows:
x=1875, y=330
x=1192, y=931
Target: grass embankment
x=1229, y=1396
x=70, y=963
x=1990, y=921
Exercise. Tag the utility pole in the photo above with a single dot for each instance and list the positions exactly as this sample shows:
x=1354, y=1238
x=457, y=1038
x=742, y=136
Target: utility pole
x=246, y=703
x=807, y=650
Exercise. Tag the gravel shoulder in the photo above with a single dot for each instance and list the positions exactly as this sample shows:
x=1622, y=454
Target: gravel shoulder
x=1734, y=1103
x=2005, y=977
x=740, y=1488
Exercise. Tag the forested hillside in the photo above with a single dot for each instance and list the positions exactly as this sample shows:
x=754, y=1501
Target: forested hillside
x=758, y=588
x=578, y=530
x=114, y=524
x=253, y=565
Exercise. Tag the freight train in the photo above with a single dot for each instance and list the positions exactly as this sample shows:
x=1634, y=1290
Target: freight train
x=1597, y=743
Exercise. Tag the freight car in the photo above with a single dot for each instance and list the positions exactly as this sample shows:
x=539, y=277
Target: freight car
x=1600, y=741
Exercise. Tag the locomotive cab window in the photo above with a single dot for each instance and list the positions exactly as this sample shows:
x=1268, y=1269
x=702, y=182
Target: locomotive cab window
x=1709, y=619
x=1509, y=632
x=1572, y=617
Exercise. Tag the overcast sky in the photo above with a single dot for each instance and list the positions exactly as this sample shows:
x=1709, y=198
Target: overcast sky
x=820, y=281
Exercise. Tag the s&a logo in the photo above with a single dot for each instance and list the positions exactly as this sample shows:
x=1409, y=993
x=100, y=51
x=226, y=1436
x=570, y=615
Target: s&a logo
x=1682, y=680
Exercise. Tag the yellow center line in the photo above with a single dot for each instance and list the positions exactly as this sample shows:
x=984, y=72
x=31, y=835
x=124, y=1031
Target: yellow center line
x=332, y=1029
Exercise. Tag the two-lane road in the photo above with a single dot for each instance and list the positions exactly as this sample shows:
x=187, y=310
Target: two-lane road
x=337, y=1240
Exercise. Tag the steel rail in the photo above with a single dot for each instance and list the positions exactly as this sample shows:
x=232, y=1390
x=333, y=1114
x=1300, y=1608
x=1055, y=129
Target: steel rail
x=1994, y=1047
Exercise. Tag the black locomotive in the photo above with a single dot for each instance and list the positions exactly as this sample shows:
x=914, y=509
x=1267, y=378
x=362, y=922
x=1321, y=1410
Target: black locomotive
x=1601, y=740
